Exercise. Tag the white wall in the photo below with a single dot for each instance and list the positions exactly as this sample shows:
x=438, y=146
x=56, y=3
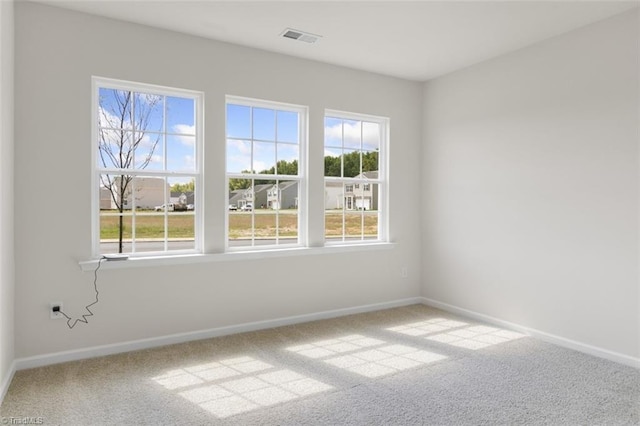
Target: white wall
x=57, y=52
x=6, y=191
x=530, y=187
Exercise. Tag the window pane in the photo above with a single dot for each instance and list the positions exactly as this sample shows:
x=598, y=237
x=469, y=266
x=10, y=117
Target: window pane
x=236, y=192
x=283, y=196
x=370, y=163
x=182, y=193
x=265, y=223
x=111, y=239
x=334, y=221
x=288, y=126
x=333, y=132
x=115, y=109
x=287, y=159
x=352, y=134
x=371, y=225
x=333, y=196
x=241, y=218
x=285, y=201
x=181, y=153
x=353, y=224
x=264, y=157
x=238, y=156
x=150, y=193
x=115, y=192
x=149, y=232
x=181, y=115
x=351, y=163
x=264, y=124
x=149, y=152
x=115, y=149
x=333, y=162
x=238, y=121
x=370, y=136
x=181, y=230
x=149, y=112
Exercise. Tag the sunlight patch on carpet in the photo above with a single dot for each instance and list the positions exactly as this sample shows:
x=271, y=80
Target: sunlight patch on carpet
x=323, y=348
x=238, y=385
x=366, y=356
x=433, y=325
x=457, y=333
x=476, y=337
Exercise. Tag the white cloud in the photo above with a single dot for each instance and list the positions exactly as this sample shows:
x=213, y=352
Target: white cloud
x=354, y=131
x=259, y=166
x=239, y=146
x=184, y=129
x=157, y=159
x=187, y=134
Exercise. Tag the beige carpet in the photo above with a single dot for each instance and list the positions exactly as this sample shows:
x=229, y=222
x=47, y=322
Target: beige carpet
x=407, y=366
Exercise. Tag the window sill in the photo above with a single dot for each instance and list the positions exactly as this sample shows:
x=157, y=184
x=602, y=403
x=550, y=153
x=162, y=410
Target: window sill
x=133, y=262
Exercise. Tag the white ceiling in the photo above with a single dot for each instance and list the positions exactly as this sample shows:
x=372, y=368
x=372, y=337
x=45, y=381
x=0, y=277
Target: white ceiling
x=415, y=40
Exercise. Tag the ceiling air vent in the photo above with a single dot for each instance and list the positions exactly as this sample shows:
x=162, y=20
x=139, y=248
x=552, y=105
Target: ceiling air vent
x=300, y=35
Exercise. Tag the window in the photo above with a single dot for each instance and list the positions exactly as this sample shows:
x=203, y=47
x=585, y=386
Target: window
x=147, y=168
x=265, y=173
x=355, y=177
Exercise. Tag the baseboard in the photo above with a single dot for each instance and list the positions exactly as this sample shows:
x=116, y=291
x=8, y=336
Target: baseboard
x=96, y=351
x=4, y=386
x=547, y=337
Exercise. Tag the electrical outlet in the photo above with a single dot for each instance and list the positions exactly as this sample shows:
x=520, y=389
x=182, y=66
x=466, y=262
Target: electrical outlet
x=404, y=273
x=52, y=313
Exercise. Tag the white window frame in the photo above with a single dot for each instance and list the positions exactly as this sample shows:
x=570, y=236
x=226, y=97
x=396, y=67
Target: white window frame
x=381, y=181
x=197, y=174
x=301, y=178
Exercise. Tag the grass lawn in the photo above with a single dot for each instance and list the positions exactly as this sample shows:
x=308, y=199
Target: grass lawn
x=333, y=221
x=181, y=225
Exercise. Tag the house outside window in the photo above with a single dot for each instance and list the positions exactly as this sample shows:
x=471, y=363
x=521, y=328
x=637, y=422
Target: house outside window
x=355, y=147
x=147, y=141
x=265, y=144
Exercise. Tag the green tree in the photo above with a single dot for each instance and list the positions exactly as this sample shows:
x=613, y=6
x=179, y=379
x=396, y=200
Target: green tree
x=370, y=161
x=284, y=168
x=184, y=187
x=351, y=164
x=332, y=165
x=237, y=183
